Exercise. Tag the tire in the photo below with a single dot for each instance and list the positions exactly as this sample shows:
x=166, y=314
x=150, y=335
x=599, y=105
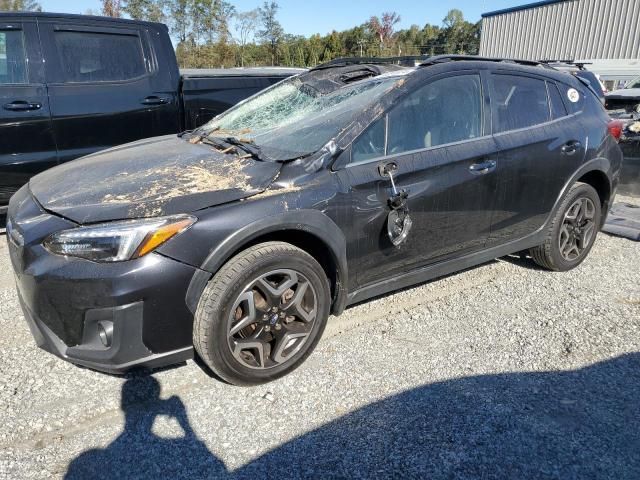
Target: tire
x=244, y=293
x=551, y=254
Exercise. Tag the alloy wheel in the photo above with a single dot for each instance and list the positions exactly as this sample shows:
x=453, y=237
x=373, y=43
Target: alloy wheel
x=271, y=319
x=578, y=228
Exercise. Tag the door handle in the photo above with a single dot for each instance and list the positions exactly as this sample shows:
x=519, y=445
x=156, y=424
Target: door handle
x=483, y=167
x=22, y=106
x=155, y=100
x=570, y=148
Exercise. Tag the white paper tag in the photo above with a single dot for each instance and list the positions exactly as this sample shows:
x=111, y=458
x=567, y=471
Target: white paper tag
x=573, y=95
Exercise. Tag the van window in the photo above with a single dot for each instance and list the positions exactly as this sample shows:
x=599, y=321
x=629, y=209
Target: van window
x=99, y=57
x=13, y=65
x=558, y=108
x=444, y=111
x=518, y=102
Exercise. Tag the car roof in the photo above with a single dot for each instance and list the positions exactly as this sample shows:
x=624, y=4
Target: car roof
x=73, y=16
x=397, y=66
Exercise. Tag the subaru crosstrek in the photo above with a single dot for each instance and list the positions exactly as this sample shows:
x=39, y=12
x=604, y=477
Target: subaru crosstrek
x=236, y=241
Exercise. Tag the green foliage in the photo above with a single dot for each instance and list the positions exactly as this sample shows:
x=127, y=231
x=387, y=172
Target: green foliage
x=272, y=32
x=211, y=34
x=19, y=6
x=149, y=10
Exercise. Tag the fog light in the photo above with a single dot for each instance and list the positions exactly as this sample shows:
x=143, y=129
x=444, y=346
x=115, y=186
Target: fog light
x=105, y=332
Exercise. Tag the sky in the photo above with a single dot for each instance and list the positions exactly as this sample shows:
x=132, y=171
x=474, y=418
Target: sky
x=307, y=17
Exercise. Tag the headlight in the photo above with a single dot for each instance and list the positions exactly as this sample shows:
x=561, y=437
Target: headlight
x=117, y=241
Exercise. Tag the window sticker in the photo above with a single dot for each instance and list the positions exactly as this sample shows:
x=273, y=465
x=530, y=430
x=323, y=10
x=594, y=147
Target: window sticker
x=573, y=95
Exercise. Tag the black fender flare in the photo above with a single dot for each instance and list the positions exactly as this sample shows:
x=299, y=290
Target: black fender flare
x=599, y=164
x=310, y=221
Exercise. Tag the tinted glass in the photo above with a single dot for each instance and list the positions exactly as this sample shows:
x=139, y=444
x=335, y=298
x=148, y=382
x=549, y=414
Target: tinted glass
x=518, y=102
x=371, y=144
x=555, y=99
x=99, y=57
x=13, y=65
x=444, y=111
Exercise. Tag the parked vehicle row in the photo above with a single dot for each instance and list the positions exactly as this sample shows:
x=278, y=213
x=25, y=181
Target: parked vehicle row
x=237, y=240
x=71, y=85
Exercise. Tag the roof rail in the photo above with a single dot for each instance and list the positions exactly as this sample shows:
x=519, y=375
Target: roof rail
x=455, y=58
x=407, y=60
x=579, y=65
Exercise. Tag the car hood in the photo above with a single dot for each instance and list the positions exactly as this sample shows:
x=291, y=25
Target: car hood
x=625, y=93
x=153, y=177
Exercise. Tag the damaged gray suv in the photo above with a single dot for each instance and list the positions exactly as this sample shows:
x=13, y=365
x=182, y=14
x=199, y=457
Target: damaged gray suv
x=235, y=242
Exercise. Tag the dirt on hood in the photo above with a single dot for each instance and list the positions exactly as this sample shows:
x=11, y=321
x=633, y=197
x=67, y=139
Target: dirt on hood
x=153, y=177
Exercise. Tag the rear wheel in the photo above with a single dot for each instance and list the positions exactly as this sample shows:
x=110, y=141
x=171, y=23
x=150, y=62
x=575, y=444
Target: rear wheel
x=572, y=232
x=262, y=314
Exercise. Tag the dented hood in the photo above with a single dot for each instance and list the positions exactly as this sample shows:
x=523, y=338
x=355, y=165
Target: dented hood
x=158, y=176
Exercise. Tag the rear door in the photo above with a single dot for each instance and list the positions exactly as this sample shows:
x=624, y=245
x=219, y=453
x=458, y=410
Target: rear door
x=26, y=140
x=540, y=146
x=105, y=86
x=436, y=137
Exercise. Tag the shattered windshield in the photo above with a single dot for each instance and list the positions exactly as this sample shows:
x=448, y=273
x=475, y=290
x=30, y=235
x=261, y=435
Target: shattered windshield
x=293, y=119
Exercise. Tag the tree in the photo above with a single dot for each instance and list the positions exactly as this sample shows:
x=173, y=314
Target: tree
x=111, y=8
x=20, y=6
x=272, y=32
x=384, y=28
x=245, y=25
x=458, y=35
x=179, y=19
x=149, y=10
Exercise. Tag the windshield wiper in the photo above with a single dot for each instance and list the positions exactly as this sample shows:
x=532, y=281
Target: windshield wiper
x=249, y=147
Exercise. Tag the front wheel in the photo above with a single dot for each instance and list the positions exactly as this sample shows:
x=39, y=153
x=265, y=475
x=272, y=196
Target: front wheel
x=572, y=232
x=262, y=314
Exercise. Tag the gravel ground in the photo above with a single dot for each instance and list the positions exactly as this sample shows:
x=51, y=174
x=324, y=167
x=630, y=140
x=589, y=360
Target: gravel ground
x=502, y=371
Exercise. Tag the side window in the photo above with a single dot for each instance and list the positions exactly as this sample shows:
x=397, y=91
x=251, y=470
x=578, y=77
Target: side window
x=558, y=109
x=444, y=111
x=372, y=143
x=99, y=57
x=518, y=102
x=13, y=63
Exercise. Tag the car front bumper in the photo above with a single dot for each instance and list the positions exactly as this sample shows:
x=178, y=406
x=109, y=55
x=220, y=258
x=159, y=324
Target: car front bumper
x=108, y=317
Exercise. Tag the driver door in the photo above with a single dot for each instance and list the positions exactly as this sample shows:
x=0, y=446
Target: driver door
x=445, y=161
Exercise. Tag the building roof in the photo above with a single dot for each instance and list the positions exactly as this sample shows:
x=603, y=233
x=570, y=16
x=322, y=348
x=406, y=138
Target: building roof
x=521, y=7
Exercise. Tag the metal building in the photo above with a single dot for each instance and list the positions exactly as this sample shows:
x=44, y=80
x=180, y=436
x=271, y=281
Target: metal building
x=563, y=30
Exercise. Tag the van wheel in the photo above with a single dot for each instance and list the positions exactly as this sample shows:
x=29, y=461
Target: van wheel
x=572, y=232
x=262, y=314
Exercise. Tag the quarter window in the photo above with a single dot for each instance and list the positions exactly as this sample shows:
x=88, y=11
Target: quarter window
x=444, y=111
x=518, y=102
x=558, y=109
x=13, y=64
x=99, y=57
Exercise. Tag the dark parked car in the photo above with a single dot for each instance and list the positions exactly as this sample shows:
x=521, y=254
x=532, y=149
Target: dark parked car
x=626, y=99
x=334, y=186
x=71, y=85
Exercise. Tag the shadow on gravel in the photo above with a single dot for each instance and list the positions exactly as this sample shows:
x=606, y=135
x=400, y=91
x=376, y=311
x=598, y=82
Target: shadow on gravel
x=524, y=261
x=579, y=424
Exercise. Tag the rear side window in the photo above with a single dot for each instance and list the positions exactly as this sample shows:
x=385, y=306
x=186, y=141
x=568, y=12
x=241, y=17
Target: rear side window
x=444, y=111
x=13, y=64
x=558, y=109
x=99, y=57
x=518, y=102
